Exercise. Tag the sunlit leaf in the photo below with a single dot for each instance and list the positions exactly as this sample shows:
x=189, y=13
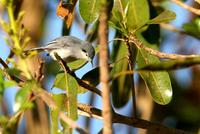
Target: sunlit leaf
x=68, y=83
x=61, y=103
x=77, y=64
x=158, y=83
x=90, y=9
x=60, y=83
x=165, y=16
x=137, y=14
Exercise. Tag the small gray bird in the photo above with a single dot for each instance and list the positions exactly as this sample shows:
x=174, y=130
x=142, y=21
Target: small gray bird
x=69, y=48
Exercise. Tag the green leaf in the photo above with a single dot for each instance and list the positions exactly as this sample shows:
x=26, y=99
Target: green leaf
x=9, y=83
x=172, y=64
x=159, y=82
x=72, y=88
x=77, y=64
x=90, y=10
x=193, y=27
x=122, y=85
x=22, y=97
x=165, y=16
x=61, y=102
x=60, y=83
x=13, y=71
x=68, y=83
x=137, y=14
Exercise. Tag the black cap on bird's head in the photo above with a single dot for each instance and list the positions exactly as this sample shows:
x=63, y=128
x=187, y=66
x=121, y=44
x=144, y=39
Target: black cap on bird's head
x=88, y=49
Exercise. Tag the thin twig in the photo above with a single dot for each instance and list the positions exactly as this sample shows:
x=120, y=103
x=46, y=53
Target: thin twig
x=71, y=123
x=48, y=99
x=39, y=73
x=3, y=63
x=80, y=82
x=117, y=118
x=104, y=70
x=140, y=45
x=174, y=29
x=9, y=76
x=189, y=8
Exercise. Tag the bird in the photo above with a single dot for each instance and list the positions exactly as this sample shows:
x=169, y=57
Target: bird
x=69, y=48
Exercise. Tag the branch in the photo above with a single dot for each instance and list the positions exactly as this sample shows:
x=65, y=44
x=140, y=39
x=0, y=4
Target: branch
x=174, y=29
x=9, y=76
x=139, y=123
x=80, y=82
x=117, y=118
x=47, y=98
x=71, y=123
x=189, y=8
x=104, y=69
x=140, y=45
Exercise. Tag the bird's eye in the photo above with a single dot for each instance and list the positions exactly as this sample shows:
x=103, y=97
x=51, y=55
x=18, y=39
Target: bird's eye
x=84, y=50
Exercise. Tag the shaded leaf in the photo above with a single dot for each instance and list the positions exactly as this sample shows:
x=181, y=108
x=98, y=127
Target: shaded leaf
x=159, y=82
x=165, y=16
x=122, y=85
x=193, y=27
x=22, y=97
x=152, y=34
x=137, y=14
x=172, y=64
x=92, y=77
x=13, y=71
x=90, y=10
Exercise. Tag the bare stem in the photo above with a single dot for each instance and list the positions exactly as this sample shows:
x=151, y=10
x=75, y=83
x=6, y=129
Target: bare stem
x=189, y=8
x=104, y=71
x=140, y=45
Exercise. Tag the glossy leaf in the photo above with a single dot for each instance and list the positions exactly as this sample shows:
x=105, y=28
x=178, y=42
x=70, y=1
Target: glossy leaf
x=165, y=16
x=159, y=82
x=90, y=10
x=137, y=14
x=172, y=64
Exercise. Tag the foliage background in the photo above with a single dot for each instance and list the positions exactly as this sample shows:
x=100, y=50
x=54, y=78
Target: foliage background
x=182, y=112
